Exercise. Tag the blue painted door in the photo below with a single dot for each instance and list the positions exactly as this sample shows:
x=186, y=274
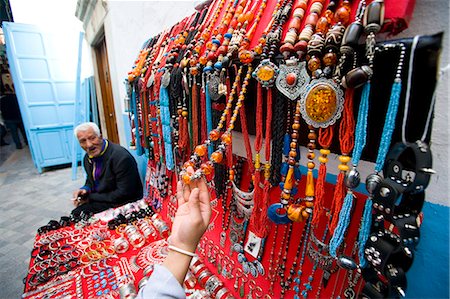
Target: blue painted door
x=43, y=65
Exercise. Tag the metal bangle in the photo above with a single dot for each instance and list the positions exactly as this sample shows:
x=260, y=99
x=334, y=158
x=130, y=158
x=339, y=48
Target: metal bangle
x=204, y=274
x=148, y=270
x=127, y=291
x=143, y=282
x=197, y=268
x=220, y=293
x=212, y=284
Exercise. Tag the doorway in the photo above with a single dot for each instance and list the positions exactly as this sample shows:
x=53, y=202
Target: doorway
x=107, y=101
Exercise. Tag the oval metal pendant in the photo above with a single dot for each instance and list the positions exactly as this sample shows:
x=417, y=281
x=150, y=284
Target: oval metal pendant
x=292, y=78
x=245, y=268
x=266, y=73
x=276, y=216
x=322, y=102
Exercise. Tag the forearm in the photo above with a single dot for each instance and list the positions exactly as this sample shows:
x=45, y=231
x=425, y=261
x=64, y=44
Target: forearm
x=178, y=264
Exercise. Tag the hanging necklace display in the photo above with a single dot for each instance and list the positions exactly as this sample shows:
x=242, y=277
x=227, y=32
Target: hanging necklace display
x=397, y=204
x=266, y=72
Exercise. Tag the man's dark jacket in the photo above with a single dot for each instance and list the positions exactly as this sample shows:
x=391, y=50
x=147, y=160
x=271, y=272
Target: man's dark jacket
x=119, y=181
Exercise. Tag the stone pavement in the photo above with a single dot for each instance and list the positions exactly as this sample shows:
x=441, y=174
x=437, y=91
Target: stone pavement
x=28, y=200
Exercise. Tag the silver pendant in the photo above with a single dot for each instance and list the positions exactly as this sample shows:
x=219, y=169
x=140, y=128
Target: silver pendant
x=372, y=182
x=151, y=80
x=352, y=178
x=321, y=103
x=266, y=73
x=213, y=87
x=165, y=79
x=292, y=78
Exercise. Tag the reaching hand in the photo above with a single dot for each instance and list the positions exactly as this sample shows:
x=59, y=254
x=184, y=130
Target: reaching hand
x=193, y=214
x=76, y=197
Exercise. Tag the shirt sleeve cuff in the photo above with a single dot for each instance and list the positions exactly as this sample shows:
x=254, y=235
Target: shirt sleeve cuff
x=162, y=284
x=86, y=188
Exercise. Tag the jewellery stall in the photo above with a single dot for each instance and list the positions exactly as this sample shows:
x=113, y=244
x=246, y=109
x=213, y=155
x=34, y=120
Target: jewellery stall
x=279, y=104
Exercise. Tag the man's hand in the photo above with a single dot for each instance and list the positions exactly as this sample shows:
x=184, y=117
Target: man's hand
x=77, y=197
x=193, y=214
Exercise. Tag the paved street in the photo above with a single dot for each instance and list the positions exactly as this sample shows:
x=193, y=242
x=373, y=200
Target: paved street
x=28, y=200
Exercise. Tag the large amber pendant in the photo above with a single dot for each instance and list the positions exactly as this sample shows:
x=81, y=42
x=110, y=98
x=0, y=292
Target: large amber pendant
x=266, y=73
x=322, y=102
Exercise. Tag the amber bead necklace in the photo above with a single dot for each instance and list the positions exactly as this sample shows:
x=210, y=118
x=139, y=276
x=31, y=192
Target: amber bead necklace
x=217, y=156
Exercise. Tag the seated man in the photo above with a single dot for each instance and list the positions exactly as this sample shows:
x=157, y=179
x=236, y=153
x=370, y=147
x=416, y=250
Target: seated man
x=112, y=175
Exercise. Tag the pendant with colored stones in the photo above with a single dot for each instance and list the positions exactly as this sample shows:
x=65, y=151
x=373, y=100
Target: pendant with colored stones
x=292, y=79
x=322, y=102
x=266, y=73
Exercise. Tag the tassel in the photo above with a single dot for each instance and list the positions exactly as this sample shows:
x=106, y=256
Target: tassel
x=194, y=114
x=364, y=232
x=338, y=196
x=325, y=139
x=203, y=133
x=208, y=116
x=258, y=200
x=318, y=202
x=344, y=221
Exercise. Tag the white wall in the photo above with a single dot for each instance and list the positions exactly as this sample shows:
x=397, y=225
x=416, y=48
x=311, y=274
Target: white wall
x=53, y=16
x=128, y=25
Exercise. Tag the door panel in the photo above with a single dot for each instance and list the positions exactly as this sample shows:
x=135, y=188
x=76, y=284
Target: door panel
x=101, y=54
x=44, y=67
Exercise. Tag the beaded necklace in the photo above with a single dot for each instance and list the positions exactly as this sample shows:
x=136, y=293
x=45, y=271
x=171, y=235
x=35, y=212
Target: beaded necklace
x=266, y=72
x=298, y=12
x=217, y=156
x=293, y=271
x=374, y=179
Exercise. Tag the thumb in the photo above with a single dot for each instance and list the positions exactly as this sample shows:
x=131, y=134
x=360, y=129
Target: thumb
x=194, y=204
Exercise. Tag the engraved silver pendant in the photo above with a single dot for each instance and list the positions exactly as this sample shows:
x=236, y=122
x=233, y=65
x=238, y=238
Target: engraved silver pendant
x=292, y=78
x=213, y=86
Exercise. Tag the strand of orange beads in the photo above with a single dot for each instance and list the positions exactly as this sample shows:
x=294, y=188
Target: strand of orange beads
x=200, y=151
x=250, y=33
